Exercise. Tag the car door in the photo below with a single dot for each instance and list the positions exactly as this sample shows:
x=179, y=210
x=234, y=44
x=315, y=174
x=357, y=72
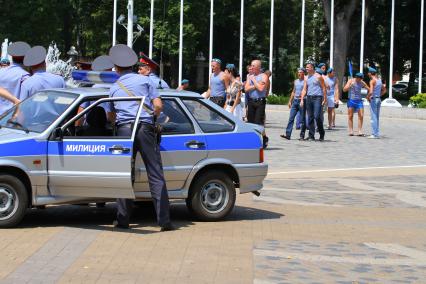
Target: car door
x=90, y=166
x=182, y=146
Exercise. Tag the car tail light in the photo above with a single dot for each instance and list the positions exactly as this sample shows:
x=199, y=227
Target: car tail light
x=261, y=156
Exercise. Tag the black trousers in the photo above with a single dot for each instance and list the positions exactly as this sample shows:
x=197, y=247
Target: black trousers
x=146, y=144
x=256, y=111
x=220, y=101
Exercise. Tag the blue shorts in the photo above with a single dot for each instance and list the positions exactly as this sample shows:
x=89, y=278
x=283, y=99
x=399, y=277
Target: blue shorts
x=355, y=104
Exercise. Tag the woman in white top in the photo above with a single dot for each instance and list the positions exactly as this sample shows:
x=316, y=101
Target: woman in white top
x=233, y=92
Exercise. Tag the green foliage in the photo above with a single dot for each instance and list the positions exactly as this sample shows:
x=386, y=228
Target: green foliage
x=277, y=100
x=418, y=100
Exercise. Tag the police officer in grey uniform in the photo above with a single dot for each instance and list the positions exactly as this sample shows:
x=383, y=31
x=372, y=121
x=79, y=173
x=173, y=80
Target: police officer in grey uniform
x=124, y=113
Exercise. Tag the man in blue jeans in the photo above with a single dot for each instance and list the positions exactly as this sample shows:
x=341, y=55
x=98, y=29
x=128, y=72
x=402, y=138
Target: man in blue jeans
x=294, y=105
x=316, y=93
x=377, y=89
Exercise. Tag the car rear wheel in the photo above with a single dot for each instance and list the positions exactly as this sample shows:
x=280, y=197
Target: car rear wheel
x=212, y=196
x=13, y=201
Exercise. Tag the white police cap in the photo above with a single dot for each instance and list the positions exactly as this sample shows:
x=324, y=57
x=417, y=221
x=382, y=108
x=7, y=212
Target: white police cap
x=35, y=56
x=18, y=49
x=123, y=56
x=102, y=63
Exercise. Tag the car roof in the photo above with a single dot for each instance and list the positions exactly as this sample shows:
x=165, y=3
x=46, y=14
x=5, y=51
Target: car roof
x=89, y=92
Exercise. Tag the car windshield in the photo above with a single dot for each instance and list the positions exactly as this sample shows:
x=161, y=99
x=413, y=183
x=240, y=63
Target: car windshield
x=37, y=113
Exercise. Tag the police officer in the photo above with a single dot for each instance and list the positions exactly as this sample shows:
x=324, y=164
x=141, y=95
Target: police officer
x=146, y=67
x=12, y=77
x=124, y=113
x=40, y=80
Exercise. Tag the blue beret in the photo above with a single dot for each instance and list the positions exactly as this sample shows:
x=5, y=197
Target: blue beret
x=35, y=56
x=18, y=49
x=4, y=61
x=359, y=75
x=185, y=81
x=123, y=56
x=372, y=70
x=230, y=66
x=102, y=63
x=301, y=69
x=319, y=71
x=330, y=70
x=321, y=65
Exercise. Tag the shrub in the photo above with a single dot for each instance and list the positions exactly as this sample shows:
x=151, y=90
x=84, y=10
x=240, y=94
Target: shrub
x=273, y=99
x=418, y=100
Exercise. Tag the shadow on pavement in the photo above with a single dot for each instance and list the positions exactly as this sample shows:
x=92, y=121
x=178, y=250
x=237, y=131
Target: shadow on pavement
x=241, y=213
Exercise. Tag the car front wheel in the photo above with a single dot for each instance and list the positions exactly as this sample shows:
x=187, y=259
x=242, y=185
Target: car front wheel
x=13, y=201
x=212, y=196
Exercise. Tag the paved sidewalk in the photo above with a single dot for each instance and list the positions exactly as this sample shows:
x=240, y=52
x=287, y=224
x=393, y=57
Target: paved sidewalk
x=347, y=210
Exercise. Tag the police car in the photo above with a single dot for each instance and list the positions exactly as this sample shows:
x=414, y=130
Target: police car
x=57, y=147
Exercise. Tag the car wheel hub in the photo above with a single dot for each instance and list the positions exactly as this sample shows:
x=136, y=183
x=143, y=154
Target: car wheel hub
x=8, y=203
x=214, y=197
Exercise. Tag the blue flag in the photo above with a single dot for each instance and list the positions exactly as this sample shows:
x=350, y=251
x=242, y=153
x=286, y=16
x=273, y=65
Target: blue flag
x=350, y=68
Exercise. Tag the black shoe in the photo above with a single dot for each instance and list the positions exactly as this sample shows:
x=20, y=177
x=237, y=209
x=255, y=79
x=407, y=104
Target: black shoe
x=265, y=142
x=168, y=227
x=120, y=226
x=285, y=136
x=321, y=139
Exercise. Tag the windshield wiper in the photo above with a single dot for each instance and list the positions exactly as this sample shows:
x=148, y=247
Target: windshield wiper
x=19, y=125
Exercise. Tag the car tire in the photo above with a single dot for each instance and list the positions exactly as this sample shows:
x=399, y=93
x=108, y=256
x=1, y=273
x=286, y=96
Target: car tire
x=211, y=196
x=13, y=201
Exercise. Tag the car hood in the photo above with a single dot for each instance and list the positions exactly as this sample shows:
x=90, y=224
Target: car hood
x=10, y=135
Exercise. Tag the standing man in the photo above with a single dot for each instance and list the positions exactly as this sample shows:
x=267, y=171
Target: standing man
x=124, y=114
x=147, y=67
x=12, y=77
x=256, y=87
x=377, y=89
x=219, y=83
x=183, y=85
x=332, y=84
x=295, y=106
x=316, y=93
x=40, y=80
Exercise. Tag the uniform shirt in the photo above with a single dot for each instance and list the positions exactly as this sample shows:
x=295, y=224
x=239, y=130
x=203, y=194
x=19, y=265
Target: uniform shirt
x=41, y=80
x=256, y=94
x=355, y=91
x=139, y=86
x=11, y=79
x=217, y=86
x=314, y=87
x=156, y=82
x=377, y=91
x=298, y=87
x=331, y=82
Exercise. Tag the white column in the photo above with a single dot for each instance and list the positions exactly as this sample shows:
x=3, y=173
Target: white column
x=180, y=42
x=211, y=36
x=422, y=10
x=151, y=29
x=114, y=24
x=271, y=42
x=391, y=102
x=302, y=36
x=361, y=54
x=130, y=23
x=240, y=67
x=332, y=35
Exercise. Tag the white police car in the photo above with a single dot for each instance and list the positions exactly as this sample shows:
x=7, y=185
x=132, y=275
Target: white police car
x=57, y=147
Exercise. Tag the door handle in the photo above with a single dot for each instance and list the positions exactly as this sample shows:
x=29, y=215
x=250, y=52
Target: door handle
x=194, y=144
x=118, y=149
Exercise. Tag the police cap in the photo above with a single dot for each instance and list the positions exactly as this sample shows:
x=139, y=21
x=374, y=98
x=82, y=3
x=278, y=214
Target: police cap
x=145, y=60
x=35, y=56
x=102, y=63
x=18, y=49
x=123, y=56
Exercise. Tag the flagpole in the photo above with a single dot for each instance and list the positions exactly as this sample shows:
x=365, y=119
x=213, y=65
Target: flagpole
x=302, y=36
x=130, y=24
x=332, y=35
x=271, y=43
x=422, y=10
x=211, y=37
x=180, y=42
x=240, y=67
x=114, y=24
x=151, y=29
x=361, y=56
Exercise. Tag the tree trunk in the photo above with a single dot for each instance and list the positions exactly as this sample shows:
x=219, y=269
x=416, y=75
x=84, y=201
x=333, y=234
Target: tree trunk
x=342, y=38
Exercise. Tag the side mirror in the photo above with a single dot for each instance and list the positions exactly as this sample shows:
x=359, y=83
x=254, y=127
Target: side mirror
x=59, y=134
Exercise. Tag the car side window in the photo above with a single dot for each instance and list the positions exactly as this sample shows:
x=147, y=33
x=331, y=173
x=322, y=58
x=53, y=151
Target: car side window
x=210, y=120
x=173, y=120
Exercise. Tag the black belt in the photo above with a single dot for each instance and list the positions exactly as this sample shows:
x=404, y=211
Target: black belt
x=257, y=100
x=217, y=99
